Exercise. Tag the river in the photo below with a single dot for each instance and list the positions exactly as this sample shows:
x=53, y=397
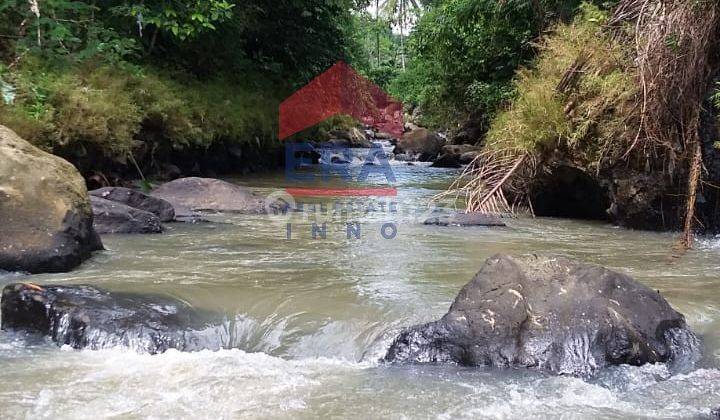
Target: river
x=307, y=320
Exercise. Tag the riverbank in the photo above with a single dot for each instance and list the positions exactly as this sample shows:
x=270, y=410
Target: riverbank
x=120, y=121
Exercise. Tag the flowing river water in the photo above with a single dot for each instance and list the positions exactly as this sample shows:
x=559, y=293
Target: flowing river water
x=306, y=320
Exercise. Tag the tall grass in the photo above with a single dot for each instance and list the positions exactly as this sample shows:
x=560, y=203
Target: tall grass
x=584, y=115
x=114, y=109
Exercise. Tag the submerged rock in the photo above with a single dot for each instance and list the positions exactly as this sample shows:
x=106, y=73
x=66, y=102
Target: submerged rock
x=114, y=217
x=89, y=317
x=47, y=221
x=465, y=219
x=189, y=195
x=139, y=200
x=553, y=314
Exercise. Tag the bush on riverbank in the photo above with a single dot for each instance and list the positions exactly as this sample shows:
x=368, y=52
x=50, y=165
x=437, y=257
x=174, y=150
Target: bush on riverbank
x=464, y=55
x=193, y=85
x=555, y=107
x=112, y=108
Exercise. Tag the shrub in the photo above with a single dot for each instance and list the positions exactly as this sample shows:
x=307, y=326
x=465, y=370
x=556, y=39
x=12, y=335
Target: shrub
x=113, y=108
x=587, y=113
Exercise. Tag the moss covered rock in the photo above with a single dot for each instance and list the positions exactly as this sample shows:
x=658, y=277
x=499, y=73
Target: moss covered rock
x=46, y=215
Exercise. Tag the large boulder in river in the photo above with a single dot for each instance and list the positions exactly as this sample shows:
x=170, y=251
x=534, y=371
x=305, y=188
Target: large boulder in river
x=89, y=317
x=553, y=314
x=114, y=217
x=139, y=200
x=422, y=142
x=189, y=195
x=47, y=223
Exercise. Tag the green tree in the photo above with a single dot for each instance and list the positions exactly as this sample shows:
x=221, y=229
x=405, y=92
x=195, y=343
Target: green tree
x=402, y=13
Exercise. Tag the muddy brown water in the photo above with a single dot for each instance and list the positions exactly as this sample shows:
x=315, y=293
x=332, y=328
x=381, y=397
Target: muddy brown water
x=307, y=319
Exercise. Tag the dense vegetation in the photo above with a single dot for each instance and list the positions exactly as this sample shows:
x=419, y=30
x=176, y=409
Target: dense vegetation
x=464, y=55
x=175, y=75
x=112, y=78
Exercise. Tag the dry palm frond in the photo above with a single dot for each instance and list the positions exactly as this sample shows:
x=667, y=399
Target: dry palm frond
x=489, y=177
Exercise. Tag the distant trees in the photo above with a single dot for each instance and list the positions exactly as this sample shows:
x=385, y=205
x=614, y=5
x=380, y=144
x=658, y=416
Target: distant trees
x=464, y=53
x=401, y=13
x=294, y=37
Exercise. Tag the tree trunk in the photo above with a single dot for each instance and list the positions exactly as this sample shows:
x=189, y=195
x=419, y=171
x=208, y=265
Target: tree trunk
x=695, y=169
x=402, y=34
x=377, y=30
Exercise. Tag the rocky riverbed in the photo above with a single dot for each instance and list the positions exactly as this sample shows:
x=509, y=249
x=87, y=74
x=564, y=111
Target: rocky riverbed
x=300, y=326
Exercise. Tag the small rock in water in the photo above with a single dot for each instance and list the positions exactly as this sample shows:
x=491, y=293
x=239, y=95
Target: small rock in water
x=553, y=314
x=113, y=217
x=89, y=317
x=465, y=219
x=137, y=199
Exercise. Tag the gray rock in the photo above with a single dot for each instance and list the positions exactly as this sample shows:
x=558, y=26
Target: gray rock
x=383, y=136
x=139, y=200
x=114, y=217
x=89, y=317
x=47, y=222
x=553, y=314
x=170, y=172
x=465, y=219
x=190, y=195
x=467, y=157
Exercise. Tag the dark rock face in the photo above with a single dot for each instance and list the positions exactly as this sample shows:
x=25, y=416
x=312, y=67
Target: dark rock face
x=114, y=217
x=456, y=155
x=88, y=317
x=139, y=200
x=188, y=195
x=47, y=222
x=553, y=314
x=447, y=161
x=421, y=142
x=468, y=157
x=170, y=172
x=465, y=219
x=641, y=201
x=473, y=130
